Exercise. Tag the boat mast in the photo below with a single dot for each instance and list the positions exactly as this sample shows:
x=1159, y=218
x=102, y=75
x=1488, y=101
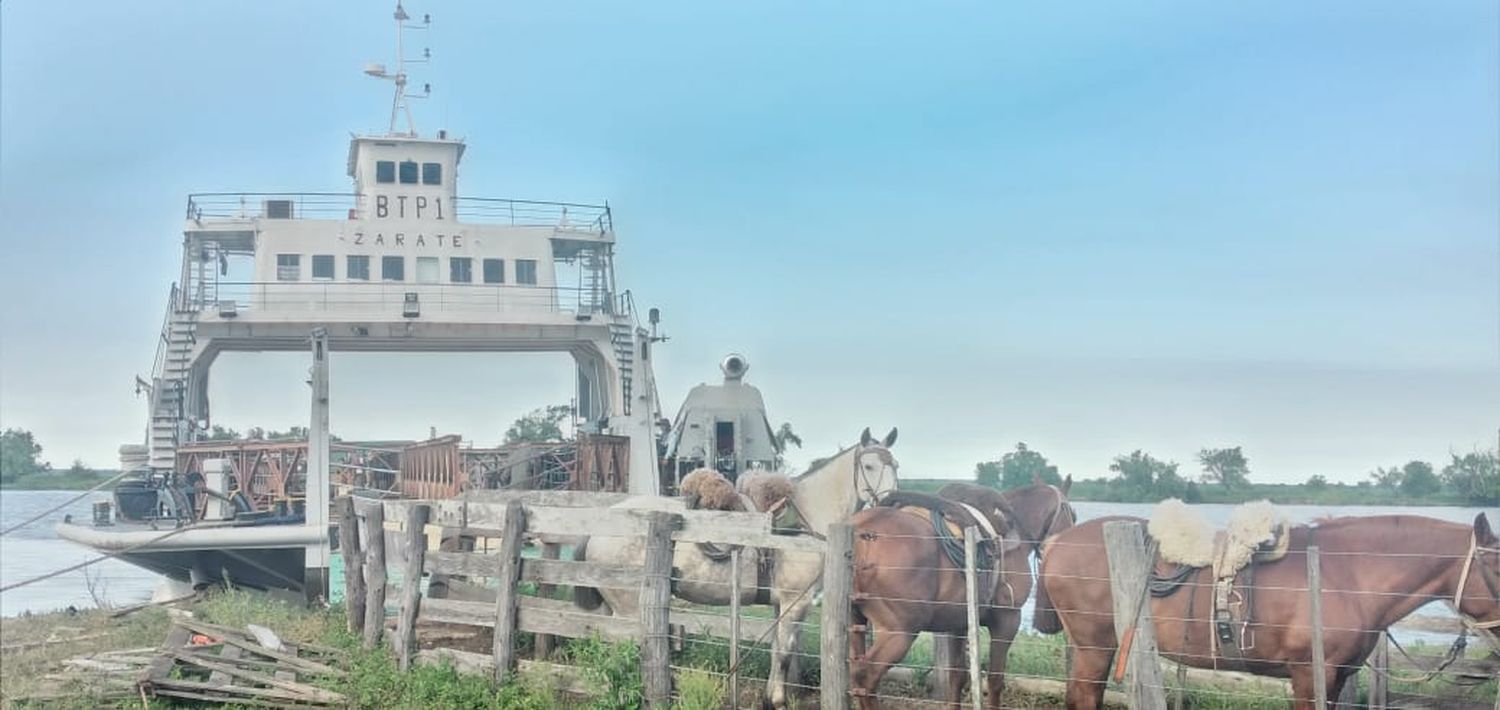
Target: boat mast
x=399, y=102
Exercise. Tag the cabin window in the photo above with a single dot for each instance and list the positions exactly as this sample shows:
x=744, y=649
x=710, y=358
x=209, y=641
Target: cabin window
x=322, y=266
x=385, y=171
x=460, y=269
x=393, y=268
x=427, y=269
x=494, y=271
x=408, y=172
x=288, y=267
x=432, y=173
x=357, y=268
x=526, y=271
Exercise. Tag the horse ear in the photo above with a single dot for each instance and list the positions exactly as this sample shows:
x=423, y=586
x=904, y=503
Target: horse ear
x=1067, y=484
x=865, y=438
x=1483, y=534
x=1036, y=479
x=890, y=439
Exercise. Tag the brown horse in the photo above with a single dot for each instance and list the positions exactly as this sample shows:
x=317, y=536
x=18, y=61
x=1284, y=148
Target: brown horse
x=1374, y=571
x=904, y=583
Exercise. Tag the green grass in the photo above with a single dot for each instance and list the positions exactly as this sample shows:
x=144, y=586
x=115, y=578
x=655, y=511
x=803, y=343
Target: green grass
x=611, y=670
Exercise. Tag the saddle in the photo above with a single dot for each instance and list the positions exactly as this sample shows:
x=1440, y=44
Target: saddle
x=949, y=519
x=1257, y=533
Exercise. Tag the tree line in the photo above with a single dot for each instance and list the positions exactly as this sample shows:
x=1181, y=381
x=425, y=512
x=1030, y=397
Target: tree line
x=1224, y=476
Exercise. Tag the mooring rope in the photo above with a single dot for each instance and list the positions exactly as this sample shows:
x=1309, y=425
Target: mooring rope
x=60, y=506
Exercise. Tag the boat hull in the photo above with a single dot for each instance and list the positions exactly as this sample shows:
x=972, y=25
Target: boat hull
x=270, y=557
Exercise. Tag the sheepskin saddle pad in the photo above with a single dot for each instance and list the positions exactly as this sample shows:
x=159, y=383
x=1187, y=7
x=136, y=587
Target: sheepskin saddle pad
x=1257, y=532
x=707, y=489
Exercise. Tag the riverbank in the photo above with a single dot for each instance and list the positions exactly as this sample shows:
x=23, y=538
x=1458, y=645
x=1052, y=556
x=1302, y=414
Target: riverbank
x=58, y=481
x=1333, y=494
x=35, y=649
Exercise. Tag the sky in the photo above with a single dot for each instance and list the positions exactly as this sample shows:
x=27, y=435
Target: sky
x=1092, y=228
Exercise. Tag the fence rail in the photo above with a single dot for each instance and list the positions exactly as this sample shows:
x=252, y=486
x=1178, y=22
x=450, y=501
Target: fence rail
x=538, y=518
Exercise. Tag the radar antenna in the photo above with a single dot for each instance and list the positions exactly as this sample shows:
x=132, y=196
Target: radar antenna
x=399, y=105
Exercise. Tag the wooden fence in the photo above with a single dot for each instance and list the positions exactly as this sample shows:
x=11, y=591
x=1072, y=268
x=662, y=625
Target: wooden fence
x=499, y=527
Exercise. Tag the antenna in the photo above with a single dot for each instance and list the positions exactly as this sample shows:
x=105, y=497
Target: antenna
x=399, y=105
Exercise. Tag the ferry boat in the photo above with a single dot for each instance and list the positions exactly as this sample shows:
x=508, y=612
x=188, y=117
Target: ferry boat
x=404, y=263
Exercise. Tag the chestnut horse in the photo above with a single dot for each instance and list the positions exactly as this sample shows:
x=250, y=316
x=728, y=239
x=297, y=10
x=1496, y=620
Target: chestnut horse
x=904, y=583
x=1375, y=570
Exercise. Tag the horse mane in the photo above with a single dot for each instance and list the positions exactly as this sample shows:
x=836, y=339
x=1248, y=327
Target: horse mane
x=818, y=464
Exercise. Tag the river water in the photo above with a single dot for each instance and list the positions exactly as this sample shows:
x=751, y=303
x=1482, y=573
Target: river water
x=36, y=550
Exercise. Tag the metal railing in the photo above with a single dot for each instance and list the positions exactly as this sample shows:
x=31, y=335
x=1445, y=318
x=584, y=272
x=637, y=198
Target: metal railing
x=569, y=216
x=158, y=363
x=393, y=298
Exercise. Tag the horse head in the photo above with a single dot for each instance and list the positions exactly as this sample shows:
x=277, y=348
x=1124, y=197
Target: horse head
x=1477, y=595
x=874, y=468
x=1043, y=510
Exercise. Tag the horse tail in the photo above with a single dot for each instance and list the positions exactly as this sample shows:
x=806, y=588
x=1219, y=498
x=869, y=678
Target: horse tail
x=586, y=598
x=1044, y=617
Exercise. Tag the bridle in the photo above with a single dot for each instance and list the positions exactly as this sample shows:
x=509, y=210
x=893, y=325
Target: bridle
x=1062, y=504
x=1475, y=550
x=865, y=493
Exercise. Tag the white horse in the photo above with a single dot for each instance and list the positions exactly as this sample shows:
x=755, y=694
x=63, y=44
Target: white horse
x=827, y=493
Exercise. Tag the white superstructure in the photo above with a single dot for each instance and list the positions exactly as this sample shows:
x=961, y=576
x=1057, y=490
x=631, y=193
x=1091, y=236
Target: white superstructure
x=403, y=263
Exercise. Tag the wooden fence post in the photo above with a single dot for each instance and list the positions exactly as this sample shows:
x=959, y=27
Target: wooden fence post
x=1380, y=665
x=942, y=661
x=971, y=585
x=375, y=576
x=507, y=597
x=411, y=584
x=354, y=567
x=656, y=598
x=734, y=624
x=1129, y=566
x=1315, y=594
x=550, y=551
x=838, y=594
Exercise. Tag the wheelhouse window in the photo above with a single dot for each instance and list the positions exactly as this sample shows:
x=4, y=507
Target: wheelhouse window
x=357, y=268
x=460, y=269
x=432, y=173
x=408, y=172
x=526, y=271
x=494, y=271
x=288, y=267
x=322, y=266
x=393, y=268
x=385, y=171
x=427, y=269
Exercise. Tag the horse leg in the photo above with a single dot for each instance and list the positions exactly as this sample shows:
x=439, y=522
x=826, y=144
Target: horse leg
x=783, y=646
x=889, y=648
x=1304, y=696
x=1092, y=658
x=1003, y=631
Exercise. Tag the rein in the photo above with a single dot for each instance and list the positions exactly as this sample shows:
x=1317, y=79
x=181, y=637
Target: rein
x=1455, y=651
